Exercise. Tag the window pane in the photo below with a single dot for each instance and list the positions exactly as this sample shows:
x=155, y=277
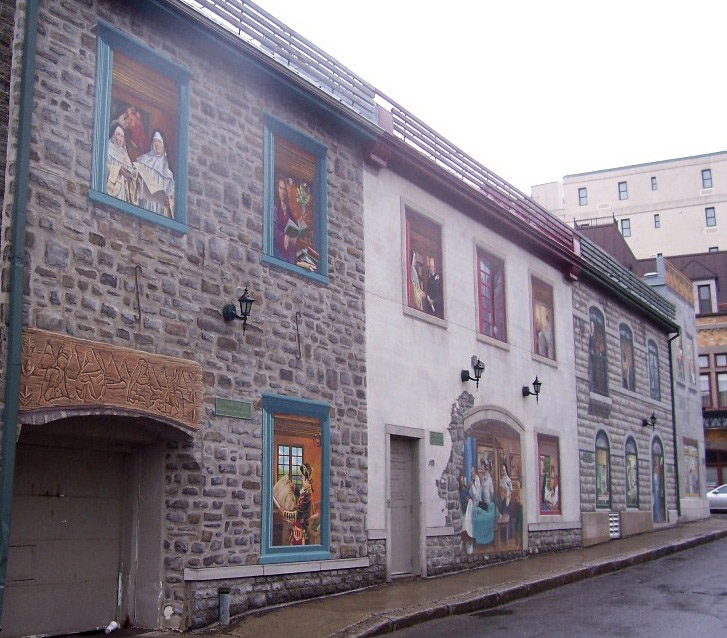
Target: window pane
x=626, y=227
x=623, y=191
x=704, y=361
x=653, y=183
x=704, y=389
x=722, y=389
x=705, y=299
x=720, y=360
x=491, y=293
x=707, y=178
x=711, y=216
x=582, y=197
x=657, y=221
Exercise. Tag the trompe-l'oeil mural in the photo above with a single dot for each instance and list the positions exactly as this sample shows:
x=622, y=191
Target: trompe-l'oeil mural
x=142, y=137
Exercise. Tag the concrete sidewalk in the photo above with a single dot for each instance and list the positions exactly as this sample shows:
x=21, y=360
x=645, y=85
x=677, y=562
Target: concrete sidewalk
x=401, y=604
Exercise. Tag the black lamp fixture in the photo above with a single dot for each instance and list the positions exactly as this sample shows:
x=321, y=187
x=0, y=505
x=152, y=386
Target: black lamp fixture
x=478, y=368
x=650, y=422
x=229, y=313
x=535, y=392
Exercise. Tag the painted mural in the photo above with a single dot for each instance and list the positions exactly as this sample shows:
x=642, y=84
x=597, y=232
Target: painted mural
x=549, y=473
x=690, y=362
x=491, y=490
x=680, y=359
x=143, y=136
x=491, y=295
x=424, y=264
x=628, y=374
x=597, y=352
x=543, y=320
x=691, y=458
x=603, y=471
x=296, y=492
x=296, y=237
x=658, y=493
x=654, y=376
x=632, y=474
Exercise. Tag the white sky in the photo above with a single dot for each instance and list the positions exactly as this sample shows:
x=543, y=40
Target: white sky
x=538, y=90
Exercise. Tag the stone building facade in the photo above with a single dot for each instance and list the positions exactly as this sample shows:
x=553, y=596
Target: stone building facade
x=627, y=467
x=128, y=368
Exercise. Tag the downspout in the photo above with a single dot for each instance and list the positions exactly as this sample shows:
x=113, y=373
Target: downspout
x=17, y=278
x=674, y=425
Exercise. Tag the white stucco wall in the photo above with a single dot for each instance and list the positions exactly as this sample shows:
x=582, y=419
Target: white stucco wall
x=414, y=364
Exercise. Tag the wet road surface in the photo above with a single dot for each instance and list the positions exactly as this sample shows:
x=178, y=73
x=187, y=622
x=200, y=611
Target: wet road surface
x=683, y=595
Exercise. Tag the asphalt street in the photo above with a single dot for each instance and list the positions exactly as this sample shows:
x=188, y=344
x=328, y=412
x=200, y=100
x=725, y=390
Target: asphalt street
x=681, y=595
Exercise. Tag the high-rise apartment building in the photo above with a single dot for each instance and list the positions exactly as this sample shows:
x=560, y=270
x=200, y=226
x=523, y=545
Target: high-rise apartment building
x=669, y=207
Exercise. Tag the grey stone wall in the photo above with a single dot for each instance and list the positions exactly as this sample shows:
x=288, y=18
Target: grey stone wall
x=81, y=261
x=553, y=540
x=621, y=414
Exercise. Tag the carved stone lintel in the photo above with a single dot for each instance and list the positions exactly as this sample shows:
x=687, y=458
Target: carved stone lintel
x=64, y=372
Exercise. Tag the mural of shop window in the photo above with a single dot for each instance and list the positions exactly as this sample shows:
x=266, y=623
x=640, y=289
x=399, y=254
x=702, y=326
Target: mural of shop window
x=543, y=319
x=603, y=471
x=658, y=491
x=680, y=359
x=549, y=474
x=295, y=233
x=632, y=473
x=691, y=458
x=424, y=276
x=690, y=363
x=140, y=131
x=491, y=295
x=628, y=375
x=654, y=377
x=491, y=490
x=296, y=467
x=597, y=352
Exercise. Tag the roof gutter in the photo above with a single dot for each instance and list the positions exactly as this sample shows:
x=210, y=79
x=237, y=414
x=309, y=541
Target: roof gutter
x=17, y=277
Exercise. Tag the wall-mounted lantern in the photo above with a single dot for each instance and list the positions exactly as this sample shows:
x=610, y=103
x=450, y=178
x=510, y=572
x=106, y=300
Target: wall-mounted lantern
x=535, y=392
x=229, y=312
x=478, y=368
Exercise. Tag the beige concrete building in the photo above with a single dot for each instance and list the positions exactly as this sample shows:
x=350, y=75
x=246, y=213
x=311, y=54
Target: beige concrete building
x=670, y=207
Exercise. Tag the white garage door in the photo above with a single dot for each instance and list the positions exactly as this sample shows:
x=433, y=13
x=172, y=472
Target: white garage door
x=65, y=541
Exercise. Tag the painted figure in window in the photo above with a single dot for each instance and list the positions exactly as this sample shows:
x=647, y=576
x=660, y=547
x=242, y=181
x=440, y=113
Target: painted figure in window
x=417, y=282
x=628, y=375
x=285, y=227
x=131, y=121
x=680, y=359
x=155, y=178
x=657, y=490
x=632, y=473
x=434, y=289
x=544, y=332
x=551, y=492
x=121, y=174
x=597, y=353
x=301, y=516
x=691, y=365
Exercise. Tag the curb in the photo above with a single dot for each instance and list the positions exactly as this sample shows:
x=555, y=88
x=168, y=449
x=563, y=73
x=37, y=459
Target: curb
x=490, y=598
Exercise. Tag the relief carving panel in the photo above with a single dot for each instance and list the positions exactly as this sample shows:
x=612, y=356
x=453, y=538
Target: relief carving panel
x=60, y=372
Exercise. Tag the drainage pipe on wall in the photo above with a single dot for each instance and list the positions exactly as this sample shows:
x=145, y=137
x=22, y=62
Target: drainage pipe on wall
x=674, y=426
x=17, y=278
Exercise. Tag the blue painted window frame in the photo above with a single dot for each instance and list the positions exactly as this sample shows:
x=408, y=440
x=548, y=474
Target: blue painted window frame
x=278, y=404
x=272, y=128
x=111, y=39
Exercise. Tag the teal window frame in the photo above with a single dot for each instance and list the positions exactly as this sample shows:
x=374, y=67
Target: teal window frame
x=274, y=127
x=111, y=39
x=279, y=404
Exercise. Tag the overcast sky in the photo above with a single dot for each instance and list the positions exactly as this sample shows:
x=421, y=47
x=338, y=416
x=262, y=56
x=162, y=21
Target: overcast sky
x=538, y=90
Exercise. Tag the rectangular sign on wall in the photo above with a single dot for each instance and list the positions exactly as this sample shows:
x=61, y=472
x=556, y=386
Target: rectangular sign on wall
x=436, y=438
x=235, y=408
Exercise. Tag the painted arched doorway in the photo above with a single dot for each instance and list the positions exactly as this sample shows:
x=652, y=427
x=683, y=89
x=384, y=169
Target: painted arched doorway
x=491, y=483
x=658, y=484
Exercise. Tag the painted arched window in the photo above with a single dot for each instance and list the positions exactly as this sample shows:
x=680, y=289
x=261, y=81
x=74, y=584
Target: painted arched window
x=597, y=353
x=603, y=471
x=632, y=474
x=654, y=379
x=628, y=376
x=658, y=494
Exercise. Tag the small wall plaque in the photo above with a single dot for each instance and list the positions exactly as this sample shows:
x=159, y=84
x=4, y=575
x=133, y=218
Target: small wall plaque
x=235, y=408
x=436, y=438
